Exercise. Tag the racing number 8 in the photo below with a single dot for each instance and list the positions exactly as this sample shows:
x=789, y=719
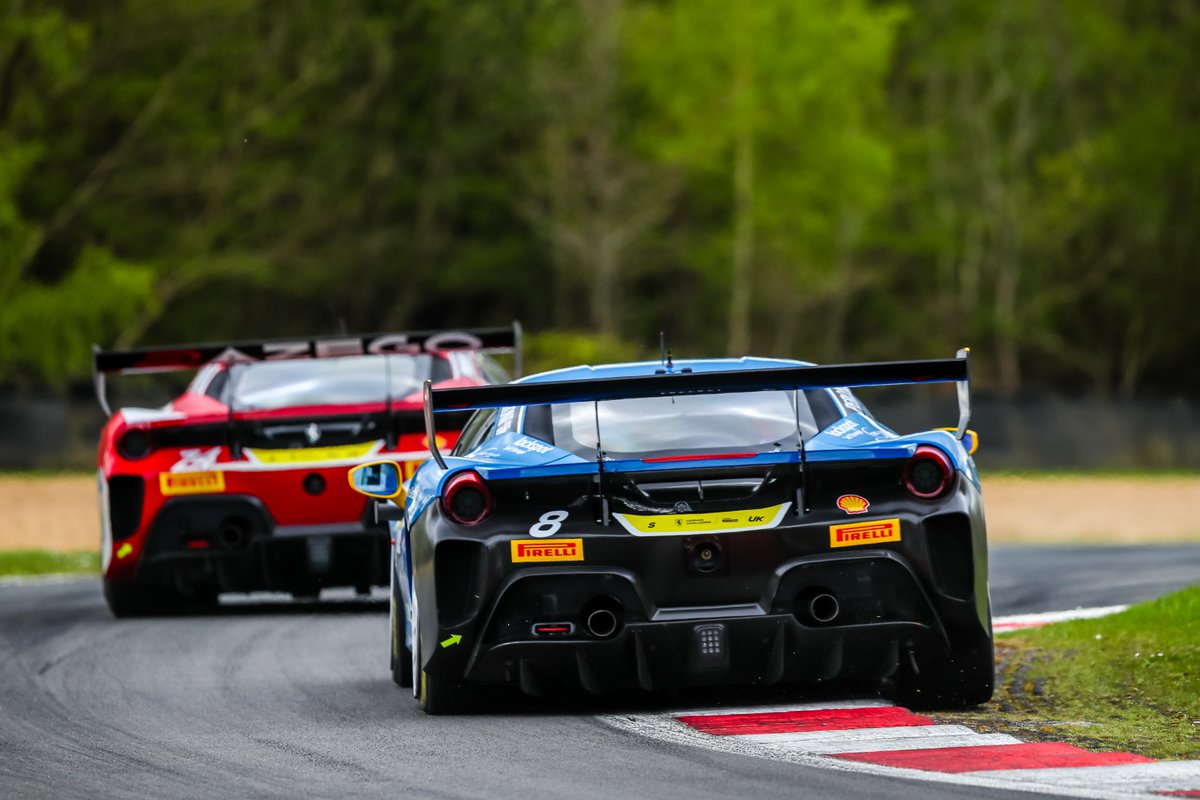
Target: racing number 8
x=548, y=524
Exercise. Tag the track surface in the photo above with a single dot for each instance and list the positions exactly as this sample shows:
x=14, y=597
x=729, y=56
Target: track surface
x=282, y=700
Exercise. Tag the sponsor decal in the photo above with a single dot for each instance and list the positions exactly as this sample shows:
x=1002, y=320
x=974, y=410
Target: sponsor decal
x=173, y=483
x=851, y=534
x=526, y=445
x=314, y=455
x=124, y=550
x=717, y=522
x=525, y=550
x=853, y=503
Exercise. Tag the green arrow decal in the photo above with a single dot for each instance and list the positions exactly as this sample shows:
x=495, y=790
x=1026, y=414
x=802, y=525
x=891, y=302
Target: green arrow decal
x=454, y=639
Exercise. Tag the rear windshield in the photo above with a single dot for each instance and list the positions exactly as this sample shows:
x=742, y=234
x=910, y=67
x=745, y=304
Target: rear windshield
x=264, y=386
x=747, y=421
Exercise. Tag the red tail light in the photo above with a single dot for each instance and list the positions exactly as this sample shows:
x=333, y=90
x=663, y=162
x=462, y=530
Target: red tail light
x=466, y=499
x=929, y=473
x=135, y=443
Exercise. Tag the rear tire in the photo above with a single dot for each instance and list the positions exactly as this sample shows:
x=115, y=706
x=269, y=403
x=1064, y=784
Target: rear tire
x=402, y=662
x=132, y=600
x=962, y=680
x=436, y=695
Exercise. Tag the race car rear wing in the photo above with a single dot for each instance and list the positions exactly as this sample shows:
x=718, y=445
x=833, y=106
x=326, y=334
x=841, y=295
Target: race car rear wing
x=195, y=356
x=885, y=373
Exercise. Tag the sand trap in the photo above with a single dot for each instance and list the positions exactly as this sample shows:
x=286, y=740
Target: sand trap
x=59, y=513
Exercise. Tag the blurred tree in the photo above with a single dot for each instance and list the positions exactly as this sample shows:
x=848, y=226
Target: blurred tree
x=47, y=320
x=773, y=100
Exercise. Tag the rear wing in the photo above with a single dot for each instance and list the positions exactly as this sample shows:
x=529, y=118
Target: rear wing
x=885, y=373
x=195, y=356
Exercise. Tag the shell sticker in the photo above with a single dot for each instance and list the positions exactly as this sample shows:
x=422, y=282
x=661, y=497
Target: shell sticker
x=853, y=503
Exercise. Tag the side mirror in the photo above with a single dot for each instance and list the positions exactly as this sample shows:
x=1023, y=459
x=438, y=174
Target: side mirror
x=378, y=479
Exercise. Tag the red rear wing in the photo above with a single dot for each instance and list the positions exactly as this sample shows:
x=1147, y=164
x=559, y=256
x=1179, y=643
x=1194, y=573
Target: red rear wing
x=195, y=356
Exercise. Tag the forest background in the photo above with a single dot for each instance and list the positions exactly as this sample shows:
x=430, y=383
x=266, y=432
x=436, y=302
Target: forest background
x=824, y=180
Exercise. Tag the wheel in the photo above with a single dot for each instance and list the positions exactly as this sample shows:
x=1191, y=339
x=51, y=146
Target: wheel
x=436, y=694
x=960, y=681
x=402, y=660
x=127, y=600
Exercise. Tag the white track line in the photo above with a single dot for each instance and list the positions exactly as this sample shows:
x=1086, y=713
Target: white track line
x=1018, y=621
x=970, y=739
x=1159, y=776
x=881, y=739
x=820, y=738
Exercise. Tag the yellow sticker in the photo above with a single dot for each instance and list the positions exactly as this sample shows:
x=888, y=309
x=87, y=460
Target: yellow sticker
x=191, y=482
x=547, y=550
x=881, y=530
x=124, y=550
x=312, y=455
x=713, y=522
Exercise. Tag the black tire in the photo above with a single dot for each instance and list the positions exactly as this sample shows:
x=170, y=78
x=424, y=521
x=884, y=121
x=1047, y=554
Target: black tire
x=436, y=695
x=962, y=680
x=402, y=670
x=131, y=600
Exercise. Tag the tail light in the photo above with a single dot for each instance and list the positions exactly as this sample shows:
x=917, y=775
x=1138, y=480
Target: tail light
x=135, y=443
x=466, y=499
x=928, y=474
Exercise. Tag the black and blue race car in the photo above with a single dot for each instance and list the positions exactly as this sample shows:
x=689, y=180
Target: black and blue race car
x=702, y=522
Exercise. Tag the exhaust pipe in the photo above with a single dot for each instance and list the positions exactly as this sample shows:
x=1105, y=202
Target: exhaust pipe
x=601, y=623
x=233, y=534
x=823, y=608
x=602, y=617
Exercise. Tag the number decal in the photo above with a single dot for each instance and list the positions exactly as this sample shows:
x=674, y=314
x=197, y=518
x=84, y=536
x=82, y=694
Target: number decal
x=548, y=524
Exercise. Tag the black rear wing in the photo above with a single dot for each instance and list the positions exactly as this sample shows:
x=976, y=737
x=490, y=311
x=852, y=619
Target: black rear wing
x=194, y=356
x=830, y=376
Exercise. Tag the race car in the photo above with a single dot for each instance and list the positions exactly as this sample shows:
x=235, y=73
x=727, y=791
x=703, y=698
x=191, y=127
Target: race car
x=696, y=523
x=239, y=483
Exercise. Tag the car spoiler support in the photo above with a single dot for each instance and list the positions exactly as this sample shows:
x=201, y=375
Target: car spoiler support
x=195, y=356
x=884, y=373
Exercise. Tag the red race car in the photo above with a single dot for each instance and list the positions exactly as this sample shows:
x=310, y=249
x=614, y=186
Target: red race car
x=239, y=484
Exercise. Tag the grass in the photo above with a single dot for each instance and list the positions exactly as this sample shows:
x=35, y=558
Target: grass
x=1130, y=681
x=45, y=562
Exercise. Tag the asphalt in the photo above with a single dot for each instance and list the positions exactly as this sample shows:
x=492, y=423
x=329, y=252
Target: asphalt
x=270, y=699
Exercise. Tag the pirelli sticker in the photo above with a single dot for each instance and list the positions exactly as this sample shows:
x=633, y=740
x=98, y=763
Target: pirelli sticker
x=527, y=550
x=172, y=483
x=875, y=532
x=714, y=522
x=314, y=455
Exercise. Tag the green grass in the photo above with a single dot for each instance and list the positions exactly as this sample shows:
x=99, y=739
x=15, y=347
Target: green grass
x=1130, y=681
x=45, y=562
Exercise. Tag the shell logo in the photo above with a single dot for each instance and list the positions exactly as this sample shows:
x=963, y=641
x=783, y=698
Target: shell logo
x=853, y=504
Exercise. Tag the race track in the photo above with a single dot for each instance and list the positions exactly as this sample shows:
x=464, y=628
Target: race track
x=279, y=700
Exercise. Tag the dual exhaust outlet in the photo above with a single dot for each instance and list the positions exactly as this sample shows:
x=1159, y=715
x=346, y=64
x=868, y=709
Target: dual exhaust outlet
x=602, y=618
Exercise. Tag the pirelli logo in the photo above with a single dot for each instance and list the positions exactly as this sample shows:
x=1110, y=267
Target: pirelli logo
x=547, y=550
x=880, y=530
x=172, y=483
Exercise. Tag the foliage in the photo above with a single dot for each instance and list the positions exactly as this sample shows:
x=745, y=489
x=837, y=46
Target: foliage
x=784, y=177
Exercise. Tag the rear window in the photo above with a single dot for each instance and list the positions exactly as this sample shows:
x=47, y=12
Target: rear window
x=264, y=386
x=745, y=421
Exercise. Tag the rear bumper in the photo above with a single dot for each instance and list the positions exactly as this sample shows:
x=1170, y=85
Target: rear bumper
x=887, y=617
x=231, y=543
